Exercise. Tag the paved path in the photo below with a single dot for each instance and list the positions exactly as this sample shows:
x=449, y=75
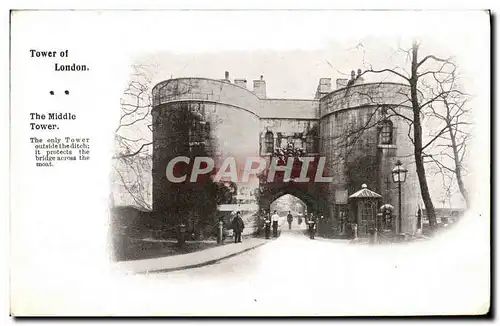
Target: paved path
x=191, y=260
x=296, y=276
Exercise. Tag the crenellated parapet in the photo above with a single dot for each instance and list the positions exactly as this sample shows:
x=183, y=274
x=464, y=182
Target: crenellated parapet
x=363, y=95
x=205, y=90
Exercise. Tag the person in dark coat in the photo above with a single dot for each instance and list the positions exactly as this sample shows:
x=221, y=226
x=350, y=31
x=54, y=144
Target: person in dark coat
x=289, y=218
x=419, y=219
x=237, y=226
x=267, y=225
x=312, y=224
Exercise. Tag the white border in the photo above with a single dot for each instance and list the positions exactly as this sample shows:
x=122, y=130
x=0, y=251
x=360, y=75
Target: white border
x=478, y=4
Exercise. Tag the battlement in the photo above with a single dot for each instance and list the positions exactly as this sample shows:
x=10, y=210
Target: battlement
x=366, y=94
x=326, y=101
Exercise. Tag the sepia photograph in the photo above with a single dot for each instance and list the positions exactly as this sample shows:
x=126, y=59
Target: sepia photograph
x=266, y=163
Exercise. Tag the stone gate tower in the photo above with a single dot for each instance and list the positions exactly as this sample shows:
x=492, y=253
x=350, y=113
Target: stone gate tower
x=356, y=127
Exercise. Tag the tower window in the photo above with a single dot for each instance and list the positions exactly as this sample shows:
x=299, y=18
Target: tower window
x=269, y=142
x=386, y=133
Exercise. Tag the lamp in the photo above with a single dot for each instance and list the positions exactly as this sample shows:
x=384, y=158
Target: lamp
x=399, y=173
x=399, y=176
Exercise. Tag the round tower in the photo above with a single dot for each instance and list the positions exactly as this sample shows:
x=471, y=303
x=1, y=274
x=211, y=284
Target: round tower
x=198, y=117
x=363, y=135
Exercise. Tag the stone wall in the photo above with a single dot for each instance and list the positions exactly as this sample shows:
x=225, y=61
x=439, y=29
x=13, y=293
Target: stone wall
x=238, y=120
x=364, y=95
x=226, y=131
x=289, y=109
x=206, y=90
x=350, y=139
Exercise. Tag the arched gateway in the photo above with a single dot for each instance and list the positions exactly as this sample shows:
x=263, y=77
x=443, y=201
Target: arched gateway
x=229, y=124
x=270, y=194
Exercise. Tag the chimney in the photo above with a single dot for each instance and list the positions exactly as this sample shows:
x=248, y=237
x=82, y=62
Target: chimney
x=226, y=77
x=259, y=87
x=324, y=87
x=359, y=78
x=241, y=82
x=341, y=82
x=351, y=81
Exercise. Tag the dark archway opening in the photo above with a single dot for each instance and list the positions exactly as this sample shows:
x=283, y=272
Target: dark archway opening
x=290, y=204
x=307, y=194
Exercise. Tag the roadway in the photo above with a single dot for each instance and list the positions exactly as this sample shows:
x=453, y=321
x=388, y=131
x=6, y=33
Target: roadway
x=294, y=275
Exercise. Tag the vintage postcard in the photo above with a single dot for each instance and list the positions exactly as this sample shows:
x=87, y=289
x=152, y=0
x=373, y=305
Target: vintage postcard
x=250, y=163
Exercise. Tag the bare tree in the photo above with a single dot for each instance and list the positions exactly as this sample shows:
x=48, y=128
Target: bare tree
x=132, y=176
x=132, y=134
x=132, y=159
x=449, y=153
x=421, y=99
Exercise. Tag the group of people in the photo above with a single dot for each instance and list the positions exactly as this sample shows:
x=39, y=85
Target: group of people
x=272, y=221
x=238, y=225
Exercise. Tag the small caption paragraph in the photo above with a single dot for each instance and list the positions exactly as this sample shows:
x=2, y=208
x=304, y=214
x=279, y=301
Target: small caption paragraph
x=52, y=150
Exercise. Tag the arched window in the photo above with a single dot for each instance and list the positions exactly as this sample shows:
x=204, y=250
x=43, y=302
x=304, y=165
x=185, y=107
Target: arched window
x=269, y=142
x=386, y=129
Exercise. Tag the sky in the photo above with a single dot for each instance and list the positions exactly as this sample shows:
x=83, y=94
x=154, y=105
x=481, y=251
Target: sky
x=291, y=73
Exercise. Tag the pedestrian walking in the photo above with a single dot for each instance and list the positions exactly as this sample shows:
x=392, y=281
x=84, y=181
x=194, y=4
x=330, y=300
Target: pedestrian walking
x=289, y=218
x=267, y=226
x=237, y=226
x=312, y=222
x=275, y=218
x=312, y=229
x=419, y=219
